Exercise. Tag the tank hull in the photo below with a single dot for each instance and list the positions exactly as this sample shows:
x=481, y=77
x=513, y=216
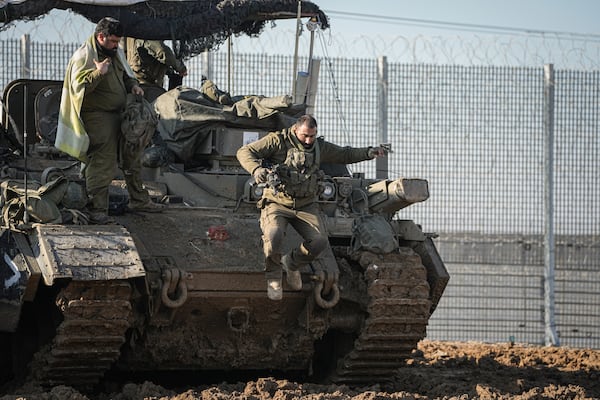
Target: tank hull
x=185, y=290
x=223, y=320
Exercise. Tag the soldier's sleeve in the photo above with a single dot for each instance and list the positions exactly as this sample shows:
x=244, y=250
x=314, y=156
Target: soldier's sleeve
x=163, y=54
x=251, y=155
x=129, y=82
x=332, y=153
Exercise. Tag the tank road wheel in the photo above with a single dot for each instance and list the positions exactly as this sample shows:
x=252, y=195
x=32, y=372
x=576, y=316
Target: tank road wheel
x=397, y=312
x=50, y=174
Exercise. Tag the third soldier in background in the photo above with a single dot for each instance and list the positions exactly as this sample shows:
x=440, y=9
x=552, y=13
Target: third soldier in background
x=151, y=60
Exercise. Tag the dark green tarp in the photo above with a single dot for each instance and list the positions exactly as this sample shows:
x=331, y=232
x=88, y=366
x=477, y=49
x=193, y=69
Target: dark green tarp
x=187, y=117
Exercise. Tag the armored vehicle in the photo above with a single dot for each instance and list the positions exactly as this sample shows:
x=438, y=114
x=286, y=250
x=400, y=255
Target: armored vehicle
x=184, y=289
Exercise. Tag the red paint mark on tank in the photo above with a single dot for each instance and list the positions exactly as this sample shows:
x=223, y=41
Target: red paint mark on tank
x=217, y=232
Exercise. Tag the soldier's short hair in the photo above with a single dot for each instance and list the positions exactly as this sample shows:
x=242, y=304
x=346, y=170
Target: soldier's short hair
x=109, y=26
x=307, y=120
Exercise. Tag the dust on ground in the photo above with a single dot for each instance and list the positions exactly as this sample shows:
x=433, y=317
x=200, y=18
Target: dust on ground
x=438, y=370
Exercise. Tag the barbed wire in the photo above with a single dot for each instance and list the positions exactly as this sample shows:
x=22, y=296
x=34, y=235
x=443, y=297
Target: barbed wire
x=471, y=49
x=504, y=48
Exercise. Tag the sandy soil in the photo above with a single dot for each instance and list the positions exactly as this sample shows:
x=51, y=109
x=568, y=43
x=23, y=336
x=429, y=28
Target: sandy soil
x=438, y=370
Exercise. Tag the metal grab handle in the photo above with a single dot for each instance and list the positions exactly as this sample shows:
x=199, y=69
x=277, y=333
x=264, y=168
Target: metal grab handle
x=323, y=303
x=170, y=276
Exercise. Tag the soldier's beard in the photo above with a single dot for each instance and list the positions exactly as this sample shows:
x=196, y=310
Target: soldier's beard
x=109, y=52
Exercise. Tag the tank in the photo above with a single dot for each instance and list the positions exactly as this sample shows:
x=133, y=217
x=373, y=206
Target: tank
x=184, y=290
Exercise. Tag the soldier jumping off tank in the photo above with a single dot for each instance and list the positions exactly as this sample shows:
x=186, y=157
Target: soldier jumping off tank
x=294, y=202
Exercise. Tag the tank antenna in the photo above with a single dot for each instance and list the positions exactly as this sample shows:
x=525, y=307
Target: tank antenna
x=25, y=213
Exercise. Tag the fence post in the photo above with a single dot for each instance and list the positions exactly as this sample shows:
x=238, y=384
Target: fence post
x=551, y=337
x=381, y=163
x=207, y=67
x=25, y=57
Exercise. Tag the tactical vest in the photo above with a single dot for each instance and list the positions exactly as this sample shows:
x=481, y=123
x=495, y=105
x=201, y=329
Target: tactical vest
x=300, y=174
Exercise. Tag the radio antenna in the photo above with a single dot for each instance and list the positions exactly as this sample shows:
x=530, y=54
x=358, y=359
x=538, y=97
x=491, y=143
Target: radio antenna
x=25, y=213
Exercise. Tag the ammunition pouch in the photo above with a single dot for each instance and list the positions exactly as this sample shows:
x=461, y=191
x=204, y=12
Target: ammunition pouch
x=299, y=185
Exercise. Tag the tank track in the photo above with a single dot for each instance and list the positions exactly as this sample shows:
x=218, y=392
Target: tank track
x=398, y=312
x=96, y=315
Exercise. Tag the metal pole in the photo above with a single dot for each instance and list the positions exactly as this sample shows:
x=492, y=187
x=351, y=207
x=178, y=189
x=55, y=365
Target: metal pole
x=207, y=64
x=25, y=212
x=551, y=336
x=311, y=50
x=381, y=163
x=309, y=68
x=230, y=65
x=25, y=57
x=298, y=25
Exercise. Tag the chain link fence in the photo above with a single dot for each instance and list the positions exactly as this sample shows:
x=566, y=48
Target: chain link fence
x=477, y=134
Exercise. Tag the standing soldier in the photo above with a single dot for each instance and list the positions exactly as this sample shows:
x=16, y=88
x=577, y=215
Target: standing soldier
x=94, y=94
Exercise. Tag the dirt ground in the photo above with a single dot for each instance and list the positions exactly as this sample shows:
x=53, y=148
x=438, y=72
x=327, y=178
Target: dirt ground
x=438, y=370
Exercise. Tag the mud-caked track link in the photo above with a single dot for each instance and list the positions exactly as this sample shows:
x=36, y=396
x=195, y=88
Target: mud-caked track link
x=398, y=312
x=96, y=315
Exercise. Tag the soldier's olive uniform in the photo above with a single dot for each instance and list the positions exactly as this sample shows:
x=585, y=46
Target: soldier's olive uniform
x=151, y=59
x=295, y=202
x=105, y=98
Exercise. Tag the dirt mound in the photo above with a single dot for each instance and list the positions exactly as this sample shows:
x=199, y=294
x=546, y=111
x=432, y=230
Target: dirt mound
x=438, y=370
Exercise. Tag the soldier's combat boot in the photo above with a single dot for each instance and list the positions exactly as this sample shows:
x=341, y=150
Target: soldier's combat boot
x=293, y=277
x=274, y=289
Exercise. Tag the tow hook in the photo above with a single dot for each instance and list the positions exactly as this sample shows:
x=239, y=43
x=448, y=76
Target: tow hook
x=173, y=284
x=332, y=292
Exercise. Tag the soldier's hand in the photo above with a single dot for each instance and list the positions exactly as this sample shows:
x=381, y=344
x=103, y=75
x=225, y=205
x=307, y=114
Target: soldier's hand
x=102, y=66
x=260, y=175
x=137, y=90
x=376, y=152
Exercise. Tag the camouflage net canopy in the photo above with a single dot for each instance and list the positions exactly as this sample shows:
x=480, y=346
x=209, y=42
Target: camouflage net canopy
x=196, y=25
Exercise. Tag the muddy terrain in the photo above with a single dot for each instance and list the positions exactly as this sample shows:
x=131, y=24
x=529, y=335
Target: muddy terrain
x=438, y=370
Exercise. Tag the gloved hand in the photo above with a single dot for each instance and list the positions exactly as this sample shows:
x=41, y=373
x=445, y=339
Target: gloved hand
x=260, y=175
x=376, y=152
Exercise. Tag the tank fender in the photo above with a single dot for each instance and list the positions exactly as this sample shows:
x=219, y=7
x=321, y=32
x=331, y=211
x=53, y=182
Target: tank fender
x=437, y=274
x=407, y=230
x=85, y=253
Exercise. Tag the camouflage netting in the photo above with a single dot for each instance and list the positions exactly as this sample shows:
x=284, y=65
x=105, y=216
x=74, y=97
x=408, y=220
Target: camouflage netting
x=197, y=25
